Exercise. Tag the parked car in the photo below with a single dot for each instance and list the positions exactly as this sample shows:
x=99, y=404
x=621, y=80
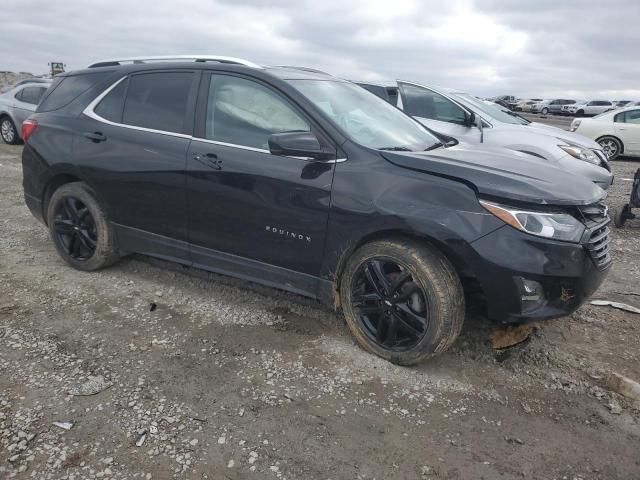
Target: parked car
x=617, y=131
x=508, y=101
x=622, y=103
x=305, y=182
x=538, y=106
x=16, y=105
x=590, y=108
x=555, y=106
x=462, y=116
x=525, y=105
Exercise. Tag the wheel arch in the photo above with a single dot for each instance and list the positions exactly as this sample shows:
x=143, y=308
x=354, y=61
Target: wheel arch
x=52, y=185
x=615, y=137
x=466, y=275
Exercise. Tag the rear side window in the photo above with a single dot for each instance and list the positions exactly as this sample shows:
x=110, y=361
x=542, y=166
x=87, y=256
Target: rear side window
x=158, y=100
x=631, y=116
x=68, y=89
x=32, y=94
x=110, y=107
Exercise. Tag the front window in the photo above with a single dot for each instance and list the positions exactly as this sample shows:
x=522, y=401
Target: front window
x=243, y=112
x=423, y=103
x=492, y=111
x=364, y=117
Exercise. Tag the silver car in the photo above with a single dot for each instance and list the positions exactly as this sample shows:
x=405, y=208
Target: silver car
x=17, y=104
x=468, y=119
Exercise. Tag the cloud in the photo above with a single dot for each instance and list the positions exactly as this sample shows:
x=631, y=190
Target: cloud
x=545, y=48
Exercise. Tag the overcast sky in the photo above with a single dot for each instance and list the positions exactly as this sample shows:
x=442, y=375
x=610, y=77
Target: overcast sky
x=546, y=48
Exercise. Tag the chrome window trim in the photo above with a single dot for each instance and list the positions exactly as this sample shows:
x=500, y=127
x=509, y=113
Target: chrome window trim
x=89, y=112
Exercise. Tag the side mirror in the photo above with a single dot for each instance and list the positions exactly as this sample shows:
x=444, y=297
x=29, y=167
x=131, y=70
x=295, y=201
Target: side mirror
x=469, y=119
x=296, y=144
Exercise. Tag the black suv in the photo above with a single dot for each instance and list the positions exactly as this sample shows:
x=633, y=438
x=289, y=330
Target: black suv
x=293, y=178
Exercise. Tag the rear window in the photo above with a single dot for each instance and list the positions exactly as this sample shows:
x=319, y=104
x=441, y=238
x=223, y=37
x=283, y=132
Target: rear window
x=68, y=89
x=158, y=100
x=32, y=94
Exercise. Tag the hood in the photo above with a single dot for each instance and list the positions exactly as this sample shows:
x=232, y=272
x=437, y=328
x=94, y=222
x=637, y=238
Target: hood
x=502, y=174
x=569, y=137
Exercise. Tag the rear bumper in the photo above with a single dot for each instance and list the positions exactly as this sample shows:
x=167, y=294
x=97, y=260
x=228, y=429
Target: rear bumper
x=564, y=274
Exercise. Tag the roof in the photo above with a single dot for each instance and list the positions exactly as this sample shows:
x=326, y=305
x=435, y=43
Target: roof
x=285, y=72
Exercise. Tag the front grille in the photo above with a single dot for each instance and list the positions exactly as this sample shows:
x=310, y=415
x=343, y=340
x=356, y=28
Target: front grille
x=598, y=246
x=597, y=220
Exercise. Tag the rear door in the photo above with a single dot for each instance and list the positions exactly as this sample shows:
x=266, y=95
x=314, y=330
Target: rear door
x=133, y=149
x=245, y=202
x=25, y=103
x=627, y=127
x=436, y=112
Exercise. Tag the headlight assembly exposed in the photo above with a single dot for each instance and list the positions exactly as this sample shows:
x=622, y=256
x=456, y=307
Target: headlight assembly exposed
x=581, y=153
x=556, y=226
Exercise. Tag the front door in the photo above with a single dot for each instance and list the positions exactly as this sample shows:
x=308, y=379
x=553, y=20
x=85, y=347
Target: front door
x=247, y=206
x=627, y=127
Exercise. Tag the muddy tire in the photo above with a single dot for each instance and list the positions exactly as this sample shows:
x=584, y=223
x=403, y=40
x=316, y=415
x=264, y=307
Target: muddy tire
x=618, y=216
x=402, y=300
x=79, y=228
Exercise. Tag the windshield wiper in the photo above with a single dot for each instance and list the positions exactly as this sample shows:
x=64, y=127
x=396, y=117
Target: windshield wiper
x=397, y=149
x=435, y=146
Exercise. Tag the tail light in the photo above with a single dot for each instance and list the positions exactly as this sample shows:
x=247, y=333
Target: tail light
x=28, y=127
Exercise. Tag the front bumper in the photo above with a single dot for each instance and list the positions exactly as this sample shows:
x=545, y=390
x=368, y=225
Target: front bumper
x=567, y=274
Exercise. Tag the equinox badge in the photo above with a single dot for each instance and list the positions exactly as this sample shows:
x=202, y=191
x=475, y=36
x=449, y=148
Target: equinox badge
x=287, y=233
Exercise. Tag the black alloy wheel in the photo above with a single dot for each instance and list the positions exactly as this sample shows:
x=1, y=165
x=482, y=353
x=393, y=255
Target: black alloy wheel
x=75, y=229
x=392, y=308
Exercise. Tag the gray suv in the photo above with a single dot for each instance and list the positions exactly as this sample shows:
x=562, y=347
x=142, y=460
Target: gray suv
x=17, y=104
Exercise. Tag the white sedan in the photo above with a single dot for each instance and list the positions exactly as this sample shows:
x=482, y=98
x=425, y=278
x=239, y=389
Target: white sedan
x=618, y=131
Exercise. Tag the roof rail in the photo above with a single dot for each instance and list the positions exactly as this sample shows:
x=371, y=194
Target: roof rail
x=304, y=69
x=176, y=58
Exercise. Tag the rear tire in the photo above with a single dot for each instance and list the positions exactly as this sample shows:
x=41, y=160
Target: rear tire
x=420, y=318
x=611, y=146
x=618, y=216
x=79, y=228
x=8, y=131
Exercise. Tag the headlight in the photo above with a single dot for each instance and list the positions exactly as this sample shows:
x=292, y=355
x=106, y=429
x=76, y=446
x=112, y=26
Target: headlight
x=581, y=153
x=557, y=226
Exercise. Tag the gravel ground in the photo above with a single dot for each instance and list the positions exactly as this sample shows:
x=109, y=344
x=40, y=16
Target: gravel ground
x=228, y=380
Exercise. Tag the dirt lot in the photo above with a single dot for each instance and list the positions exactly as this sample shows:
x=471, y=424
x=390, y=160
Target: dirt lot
x=228, y=380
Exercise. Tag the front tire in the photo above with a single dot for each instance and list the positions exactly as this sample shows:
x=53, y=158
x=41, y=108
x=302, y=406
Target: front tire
x=580, y=113
x=611, y=146
x=402, y=300
x=8, y=132
x=545, y=111
x=79, y=228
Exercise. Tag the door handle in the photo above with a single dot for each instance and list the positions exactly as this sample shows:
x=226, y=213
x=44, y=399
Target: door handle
x=208, y=159
x=95, y=137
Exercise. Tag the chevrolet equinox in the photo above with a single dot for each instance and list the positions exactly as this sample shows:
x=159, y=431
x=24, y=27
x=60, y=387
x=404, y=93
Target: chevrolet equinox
x=290, y=177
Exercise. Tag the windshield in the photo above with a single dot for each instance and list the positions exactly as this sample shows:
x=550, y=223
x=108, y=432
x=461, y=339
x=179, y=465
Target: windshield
x=492, y=111
x=364, y=117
